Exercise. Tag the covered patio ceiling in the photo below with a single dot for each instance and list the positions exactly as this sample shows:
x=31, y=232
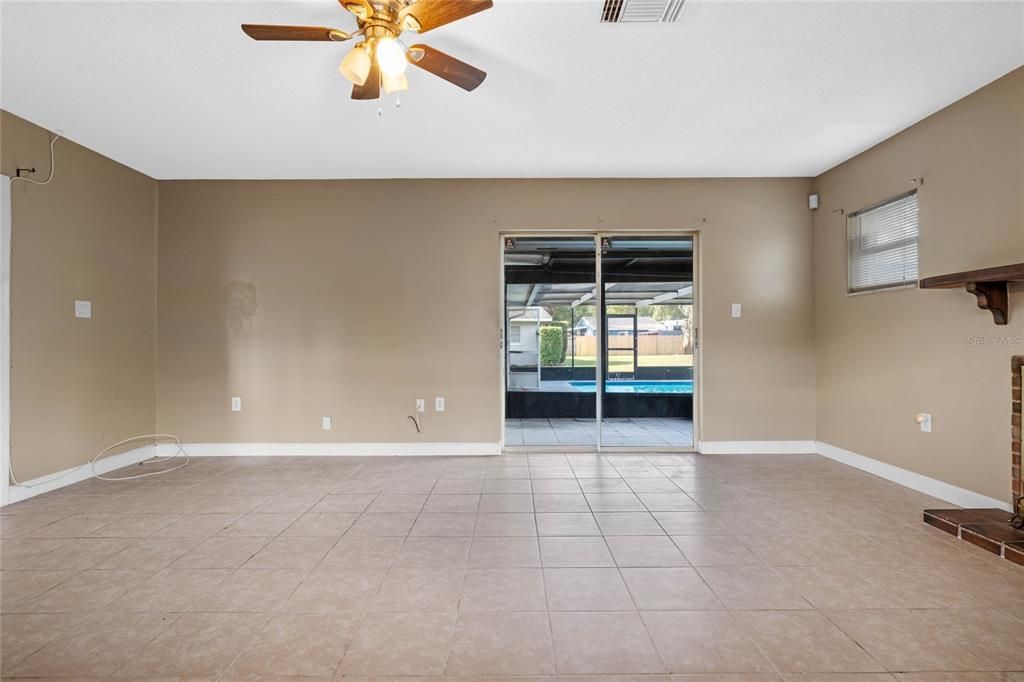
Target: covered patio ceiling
x=616, y=293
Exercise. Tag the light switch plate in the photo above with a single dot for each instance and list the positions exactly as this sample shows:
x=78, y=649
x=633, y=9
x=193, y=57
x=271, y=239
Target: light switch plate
x=737, y=310
x=83, y=309
x=236, y=404
x=438, y=404
x=421, y=405
x=325, y=423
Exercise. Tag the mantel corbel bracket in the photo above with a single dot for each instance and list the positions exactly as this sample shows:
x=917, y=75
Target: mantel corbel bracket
x=991, y=286
x=993, y=297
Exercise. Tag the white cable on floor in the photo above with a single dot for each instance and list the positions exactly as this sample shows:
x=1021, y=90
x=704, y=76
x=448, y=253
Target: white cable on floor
x=92, y=462
x=152, y=460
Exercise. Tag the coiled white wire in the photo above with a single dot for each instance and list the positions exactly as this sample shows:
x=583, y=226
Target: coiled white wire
x=180, y=452
x=159, y=459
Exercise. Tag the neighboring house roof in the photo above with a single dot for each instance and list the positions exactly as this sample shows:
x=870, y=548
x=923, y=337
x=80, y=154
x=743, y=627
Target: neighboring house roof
x=530, y=315
x=643, y=323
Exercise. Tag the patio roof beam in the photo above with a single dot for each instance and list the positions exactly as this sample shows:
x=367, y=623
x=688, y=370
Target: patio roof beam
x=533, y=294
x=584, y=298
x=668, y=296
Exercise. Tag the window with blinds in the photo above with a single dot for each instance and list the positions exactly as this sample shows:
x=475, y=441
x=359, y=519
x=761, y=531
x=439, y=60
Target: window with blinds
x=882, y=245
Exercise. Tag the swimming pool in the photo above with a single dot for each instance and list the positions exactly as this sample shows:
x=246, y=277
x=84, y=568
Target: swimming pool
x=611, y=386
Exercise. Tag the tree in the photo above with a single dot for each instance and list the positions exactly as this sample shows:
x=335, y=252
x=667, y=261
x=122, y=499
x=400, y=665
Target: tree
x=552, y=345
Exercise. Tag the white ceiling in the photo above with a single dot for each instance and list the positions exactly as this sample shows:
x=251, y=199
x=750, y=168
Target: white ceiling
x=175, y=90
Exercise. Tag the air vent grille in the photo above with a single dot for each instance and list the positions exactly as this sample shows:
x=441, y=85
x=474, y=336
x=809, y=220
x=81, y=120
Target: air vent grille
x=639, y=11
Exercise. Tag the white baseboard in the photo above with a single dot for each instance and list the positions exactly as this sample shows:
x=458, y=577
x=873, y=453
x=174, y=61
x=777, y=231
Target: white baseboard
x=924, y=484
x=333, y=449
x=756, y=447
x=61, y=479
x=961, y=497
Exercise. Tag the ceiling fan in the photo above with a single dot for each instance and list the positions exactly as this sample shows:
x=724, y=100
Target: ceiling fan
x=380, y=59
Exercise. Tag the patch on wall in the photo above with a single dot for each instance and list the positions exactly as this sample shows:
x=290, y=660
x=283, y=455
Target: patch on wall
x=240, y=305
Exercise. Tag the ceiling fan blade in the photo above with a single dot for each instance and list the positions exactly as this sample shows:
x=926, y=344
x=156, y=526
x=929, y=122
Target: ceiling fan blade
x=273, y=32
x=430, y=14
x=371, y=88
x=447, y=67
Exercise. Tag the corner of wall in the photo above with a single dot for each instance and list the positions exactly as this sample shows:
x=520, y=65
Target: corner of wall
x=156, y=302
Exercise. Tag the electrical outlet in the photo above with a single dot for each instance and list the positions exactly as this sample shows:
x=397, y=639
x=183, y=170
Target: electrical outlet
x=438, y=404
x=83, y=309
x=325, y=423
x=737, y=310
x=421, y=405
x=925, y=421
x=236, y=404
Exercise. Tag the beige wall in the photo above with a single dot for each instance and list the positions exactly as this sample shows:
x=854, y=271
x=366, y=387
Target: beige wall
x=884, y=357
x=78, y=385
x=353, y=298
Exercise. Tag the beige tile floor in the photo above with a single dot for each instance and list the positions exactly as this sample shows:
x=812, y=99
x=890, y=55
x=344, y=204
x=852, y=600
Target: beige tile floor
x=627, y=567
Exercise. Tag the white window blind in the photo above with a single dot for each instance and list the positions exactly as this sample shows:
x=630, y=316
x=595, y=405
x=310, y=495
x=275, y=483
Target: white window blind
x=516, y=334
x=882, y=245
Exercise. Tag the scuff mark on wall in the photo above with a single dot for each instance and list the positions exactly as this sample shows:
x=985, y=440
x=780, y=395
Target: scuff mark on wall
x=240, y=305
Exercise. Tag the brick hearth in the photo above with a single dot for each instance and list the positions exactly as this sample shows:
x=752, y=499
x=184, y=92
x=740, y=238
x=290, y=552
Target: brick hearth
x=990, y=528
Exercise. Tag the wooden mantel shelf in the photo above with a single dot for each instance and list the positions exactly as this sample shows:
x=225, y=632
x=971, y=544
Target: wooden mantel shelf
x=990, y=286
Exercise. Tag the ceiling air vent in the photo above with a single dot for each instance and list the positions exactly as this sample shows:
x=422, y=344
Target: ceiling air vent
x=632, y=11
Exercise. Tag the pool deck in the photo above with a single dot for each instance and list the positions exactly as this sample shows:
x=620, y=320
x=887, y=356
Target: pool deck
x=639, y=432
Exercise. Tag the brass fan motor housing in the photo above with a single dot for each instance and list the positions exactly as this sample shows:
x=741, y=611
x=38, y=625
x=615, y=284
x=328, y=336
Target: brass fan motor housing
x=377, y=18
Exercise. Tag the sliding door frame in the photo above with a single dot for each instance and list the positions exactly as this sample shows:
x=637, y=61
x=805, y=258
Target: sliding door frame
x=698, y=345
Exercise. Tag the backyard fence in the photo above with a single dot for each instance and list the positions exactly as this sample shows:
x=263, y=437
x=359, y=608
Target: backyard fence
x=646, y=345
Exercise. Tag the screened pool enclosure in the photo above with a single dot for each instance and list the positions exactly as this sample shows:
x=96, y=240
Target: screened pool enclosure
x=599, y=337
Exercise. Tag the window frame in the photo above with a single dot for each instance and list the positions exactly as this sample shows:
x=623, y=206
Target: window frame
x=892, y=286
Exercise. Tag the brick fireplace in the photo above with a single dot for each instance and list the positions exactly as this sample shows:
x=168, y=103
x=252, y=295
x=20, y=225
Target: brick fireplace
x=995, y=530
x=1016, y=380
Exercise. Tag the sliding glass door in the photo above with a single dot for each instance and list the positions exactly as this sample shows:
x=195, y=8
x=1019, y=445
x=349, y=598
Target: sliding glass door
x=550, y=346
x=647, y=397
x=598, y=342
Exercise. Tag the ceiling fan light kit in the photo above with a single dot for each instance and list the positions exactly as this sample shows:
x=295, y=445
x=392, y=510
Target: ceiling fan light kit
x=356, y=65
x=394, y=82
x=380, y=60
x=391, y=56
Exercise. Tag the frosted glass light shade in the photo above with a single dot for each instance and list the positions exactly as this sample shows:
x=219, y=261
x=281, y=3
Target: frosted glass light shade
x=394, y=83
x=391, y=57
x=356, y=65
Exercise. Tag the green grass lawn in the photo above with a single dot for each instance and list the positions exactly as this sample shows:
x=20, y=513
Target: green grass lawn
x=625, y=362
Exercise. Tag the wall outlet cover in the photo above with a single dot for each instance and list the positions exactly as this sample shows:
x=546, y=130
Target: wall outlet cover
x=325, y=423
x=737, y=310
x=421, y=405
x=83, y=309
x=438, y=404
x=236, y=404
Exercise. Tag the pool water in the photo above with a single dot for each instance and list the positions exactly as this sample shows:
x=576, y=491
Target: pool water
x=612, y=386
